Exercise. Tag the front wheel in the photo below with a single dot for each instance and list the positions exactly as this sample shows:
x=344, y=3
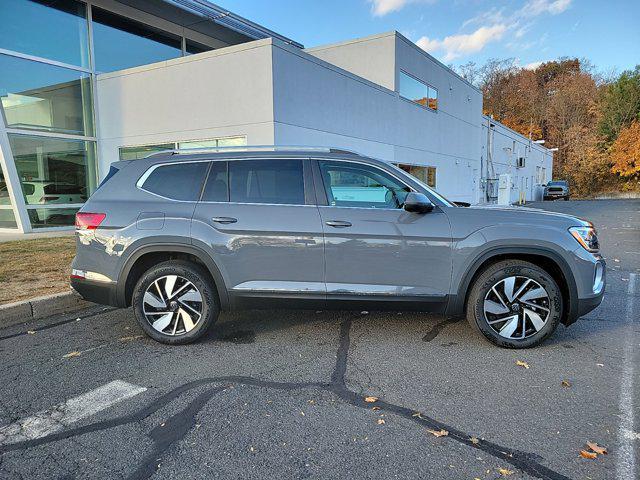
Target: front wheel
x=515, y=304
x=174, y=302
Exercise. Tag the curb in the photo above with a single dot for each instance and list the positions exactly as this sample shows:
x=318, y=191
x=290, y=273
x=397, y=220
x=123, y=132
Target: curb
x=40, y=307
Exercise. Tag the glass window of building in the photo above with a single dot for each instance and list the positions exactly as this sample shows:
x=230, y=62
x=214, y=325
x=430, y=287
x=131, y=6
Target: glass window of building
x=37, y=96
x=266, y=181
x=413, y=89
x=52, y=217
x=432, y=102
x=7, y=219
x=238, y=141
x=417, y=91
x=141, y=151
x=119, y=42
x=192, y=47
x=53, y=29
x=4, y=189
x=54, y=171
x=426, y=175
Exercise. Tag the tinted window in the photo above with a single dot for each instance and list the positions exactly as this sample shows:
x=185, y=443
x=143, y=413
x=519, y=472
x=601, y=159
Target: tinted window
x=217, y=188
x=119, y=42
x=352, y=185
x=181, y=181
x=266, y=181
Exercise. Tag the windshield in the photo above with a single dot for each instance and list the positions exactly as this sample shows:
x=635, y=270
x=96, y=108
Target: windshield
x=561, y=183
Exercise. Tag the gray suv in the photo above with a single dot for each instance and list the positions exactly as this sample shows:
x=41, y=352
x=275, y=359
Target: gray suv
x=181, y=236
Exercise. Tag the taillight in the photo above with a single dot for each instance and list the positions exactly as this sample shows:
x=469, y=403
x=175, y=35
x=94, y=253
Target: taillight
x=89, y=221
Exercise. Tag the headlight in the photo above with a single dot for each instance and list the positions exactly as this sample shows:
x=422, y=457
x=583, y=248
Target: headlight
x=587, y=237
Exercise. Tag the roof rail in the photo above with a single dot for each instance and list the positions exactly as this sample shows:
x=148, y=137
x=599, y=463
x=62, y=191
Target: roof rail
x=251, y=148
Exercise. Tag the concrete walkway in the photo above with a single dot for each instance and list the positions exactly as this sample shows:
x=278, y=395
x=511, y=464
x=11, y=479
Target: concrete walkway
x=10, y=237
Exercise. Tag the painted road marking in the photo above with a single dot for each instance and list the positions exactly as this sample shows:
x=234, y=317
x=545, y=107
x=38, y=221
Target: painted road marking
x=626, y=466
x=64, y=414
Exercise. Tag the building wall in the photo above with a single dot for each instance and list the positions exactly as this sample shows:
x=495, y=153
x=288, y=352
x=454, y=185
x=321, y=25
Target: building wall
x=315, y=102
x=506, y=146
x=220, y=93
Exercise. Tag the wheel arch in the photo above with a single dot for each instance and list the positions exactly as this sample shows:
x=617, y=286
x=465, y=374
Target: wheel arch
x=549, y=260
x=147, y=255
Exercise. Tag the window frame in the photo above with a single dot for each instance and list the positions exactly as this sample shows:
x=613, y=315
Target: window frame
x=320, y=186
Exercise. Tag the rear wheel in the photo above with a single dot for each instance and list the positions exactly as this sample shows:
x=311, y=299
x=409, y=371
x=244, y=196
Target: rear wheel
x=174, y=302
x=515, y=304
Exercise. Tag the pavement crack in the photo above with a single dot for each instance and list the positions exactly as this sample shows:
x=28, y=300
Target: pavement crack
x=438, y=327
x=177, y=427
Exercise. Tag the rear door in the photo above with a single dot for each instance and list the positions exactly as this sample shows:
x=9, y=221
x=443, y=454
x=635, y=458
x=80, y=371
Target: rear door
x=374, y=249
x=259, y=221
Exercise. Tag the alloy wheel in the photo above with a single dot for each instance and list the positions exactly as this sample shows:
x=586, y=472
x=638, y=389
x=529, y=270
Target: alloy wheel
x=517, y=307
x=172, y=305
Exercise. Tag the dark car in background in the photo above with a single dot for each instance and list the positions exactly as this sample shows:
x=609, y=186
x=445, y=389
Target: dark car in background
x=557, y=189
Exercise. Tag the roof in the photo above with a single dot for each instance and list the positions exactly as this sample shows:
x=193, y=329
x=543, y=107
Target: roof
x=228, y=19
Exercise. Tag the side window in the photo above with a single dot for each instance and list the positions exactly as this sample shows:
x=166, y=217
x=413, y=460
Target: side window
x=178, y=181
x=353, y=185
x=266, y=181
x=217, y=187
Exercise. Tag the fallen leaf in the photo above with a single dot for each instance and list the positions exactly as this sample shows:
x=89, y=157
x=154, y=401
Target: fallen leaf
x=75, y=353
x=31, y=332
x=381, y=421
x=600, y=364
x=597, y=448
x=438, y=433
x=417, y=414
x=566, y=383
x=370, y=399
x=474, y=440
x=375, y=408
x=585, y=454
x=130, y=338
x=504, y=472
x=520, y=363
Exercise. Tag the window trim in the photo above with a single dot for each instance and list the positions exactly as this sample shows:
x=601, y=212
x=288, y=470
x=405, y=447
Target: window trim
x=320, y=181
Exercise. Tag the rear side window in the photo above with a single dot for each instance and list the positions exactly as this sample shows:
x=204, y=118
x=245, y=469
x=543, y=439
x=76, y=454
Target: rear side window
x=266, y=181
x=179, y=181
x=217, y=188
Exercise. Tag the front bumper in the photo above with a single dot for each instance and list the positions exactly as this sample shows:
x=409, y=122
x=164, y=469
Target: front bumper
x=585, y=304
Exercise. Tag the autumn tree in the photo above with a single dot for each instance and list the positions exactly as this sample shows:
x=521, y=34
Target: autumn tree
x=620, y=104
x=625, y=153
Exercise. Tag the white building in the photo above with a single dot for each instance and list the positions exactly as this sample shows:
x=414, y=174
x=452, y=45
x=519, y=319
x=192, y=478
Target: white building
x=205, y=77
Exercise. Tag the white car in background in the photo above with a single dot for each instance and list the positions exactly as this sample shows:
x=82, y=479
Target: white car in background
x=46, y=192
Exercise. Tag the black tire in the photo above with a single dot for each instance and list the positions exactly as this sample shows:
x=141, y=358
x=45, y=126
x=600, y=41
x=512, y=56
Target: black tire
x=199, y=278
x=566, y=199
x=491, y=276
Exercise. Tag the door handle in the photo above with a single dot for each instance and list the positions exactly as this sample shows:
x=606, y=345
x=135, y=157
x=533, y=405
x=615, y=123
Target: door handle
x=224, y=220
x=338, y=223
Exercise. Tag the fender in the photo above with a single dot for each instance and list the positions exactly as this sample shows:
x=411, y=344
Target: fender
x=168, y=247
x=457, y=301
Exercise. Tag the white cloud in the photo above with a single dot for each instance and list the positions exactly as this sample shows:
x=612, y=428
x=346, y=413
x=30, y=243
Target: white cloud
x=492, y=25
x=537, y=7
x=532, y=65
x=381, y=7
x=455, y=46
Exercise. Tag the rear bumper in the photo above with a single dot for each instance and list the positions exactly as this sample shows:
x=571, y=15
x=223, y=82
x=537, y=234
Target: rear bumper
x=103, y=293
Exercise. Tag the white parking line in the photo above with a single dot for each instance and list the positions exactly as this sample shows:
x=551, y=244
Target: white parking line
x=626, y=466
x=64, y=414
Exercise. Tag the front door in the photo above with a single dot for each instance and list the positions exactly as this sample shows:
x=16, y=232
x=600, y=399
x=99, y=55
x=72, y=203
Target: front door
x=374, y=249
x=259, y=222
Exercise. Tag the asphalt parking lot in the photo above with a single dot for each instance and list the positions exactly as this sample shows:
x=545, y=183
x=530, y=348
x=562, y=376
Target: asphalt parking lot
x=282, y=394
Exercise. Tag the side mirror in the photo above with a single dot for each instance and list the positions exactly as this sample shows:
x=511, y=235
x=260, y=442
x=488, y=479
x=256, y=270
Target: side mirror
x=417, y=203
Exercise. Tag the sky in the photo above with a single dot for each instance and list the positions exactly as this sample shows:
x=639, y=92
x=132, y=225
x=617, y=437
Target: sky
x=459, y=31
